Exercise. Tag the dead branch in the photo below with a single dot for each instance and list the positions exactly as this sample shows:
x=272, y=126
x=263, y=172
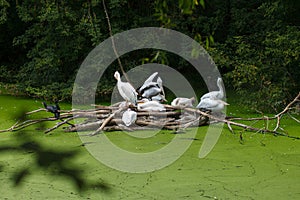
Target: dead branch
x=297, y=98
x=279, y=115
x=246, y=127
x=18, y=126
x=61, y=123
x=108, y=118
x=293, y=118
x=113, y=43
x=35, y=111
x=250, y=119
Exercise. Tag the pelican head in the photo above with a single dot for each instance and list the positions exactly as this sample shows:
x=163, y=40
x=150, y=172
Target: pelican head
x=117, y=75
x=193, y=100
x=219, y=82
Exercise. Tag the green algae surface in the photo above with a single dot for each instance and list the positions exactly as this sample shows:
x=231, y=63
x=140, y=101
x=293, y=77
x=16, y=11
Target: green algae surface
x=259, y=166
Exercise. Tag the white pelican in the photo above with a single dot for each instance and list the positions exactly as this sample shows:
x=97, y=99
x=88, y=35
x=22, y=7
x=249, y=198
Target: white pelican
x=150, y=88
x=129, y=117
x=150, y=78
x=159, y=98
x=215, y=94
x=214, y=105
x=150, y=91
x=122, y=104
x=160, y=84
x=182, y=101
x=150, y=106
x=148, y=81
x=126, y=90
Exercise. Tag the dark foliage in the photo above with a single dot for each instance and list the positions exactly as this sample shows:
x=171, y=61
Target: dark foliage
x=255, y=43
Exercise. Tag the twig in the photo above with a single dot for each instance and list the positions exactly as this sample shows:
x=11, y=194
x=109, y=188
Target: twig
x=279, y=115
x=27, y=123
x=159, y=114
x=113, y=43
x=35, y=111
x=250, y=119
x=9, y=129
x=246, y=127
x=107, y=120
x=60, y=124
x=294, y=118
x=230, y=128
x=289, y=105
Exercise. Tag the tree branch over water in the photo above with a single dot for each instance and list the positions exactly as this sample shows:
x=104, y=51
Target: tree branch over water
x=108, y=118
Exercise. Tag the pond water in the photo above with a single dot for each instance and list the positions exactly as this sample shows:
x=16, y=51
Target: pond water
x=259, y=167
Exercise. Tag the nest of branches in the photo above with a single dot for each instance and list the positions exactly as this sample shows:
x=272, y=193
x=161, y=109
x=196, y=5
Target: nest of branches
x=109, y=118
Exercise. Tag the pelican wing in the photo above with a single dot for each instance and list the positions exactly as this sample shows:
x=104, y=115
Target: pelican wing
x=211, y=95
x=150, y=78
x=215, y=94
x=207, y=103
x=148, y=82
x=150, y=92
x=158, y=98
x=159, y=82
x=151, y=106
x=175, y=102
x=147, y=86
x=128, y=92
x=129, y=117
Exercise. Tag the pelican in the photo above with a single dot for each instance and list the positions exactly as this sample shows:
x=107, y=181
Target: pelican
x=122, y=104
x=55, y=109
x=148, y=81
x=214, y=105
x=150, y=91
x=150, y=88
x=160, y=84
x=126, y=90
x=182, y=101
x=159, y=98
x=215, y=94
x=150, y=106
x=129, y=117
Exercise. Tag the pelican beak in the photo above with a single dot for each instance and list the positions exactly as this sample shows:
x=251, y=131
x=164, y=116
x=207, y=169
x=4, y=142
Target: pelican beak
x=225, y=103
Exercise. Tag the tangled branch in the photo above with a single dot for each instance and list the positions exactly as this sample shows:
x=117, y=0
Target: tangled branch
x=108, y=118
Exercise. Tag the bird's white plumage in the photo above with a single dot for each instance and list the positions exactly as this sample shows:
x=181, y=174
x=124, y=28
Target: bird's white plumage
x=160, y=84
x=126, y=90
x=151, y=88
x=150, y=78
x=122, y=104
x=214, y=105
x=151, y=106
x=159, y=98
x=215, y=94
x=151, y=91
x=148, y=81
x=182, y=101
x=129, y=117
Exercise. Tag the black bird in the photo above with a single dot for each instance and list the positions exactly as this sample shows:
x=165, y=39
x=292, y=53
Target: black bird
x=55, y=109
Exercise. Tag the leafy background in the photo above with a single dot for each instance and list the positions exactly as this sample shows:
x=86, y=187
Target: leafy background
x=254, y=43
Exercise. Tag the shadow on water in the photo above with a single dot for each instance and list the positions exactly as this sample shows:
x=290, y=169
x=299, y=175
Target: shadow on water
x=53, y=161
